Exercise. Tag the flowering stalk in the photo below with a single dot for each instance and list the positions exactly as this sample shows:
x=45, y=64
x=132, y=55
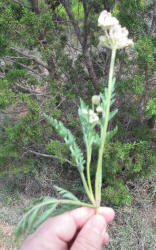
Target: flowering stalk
x=98, y=178
x=89, y=154
x=115, y=37
x=88, y=191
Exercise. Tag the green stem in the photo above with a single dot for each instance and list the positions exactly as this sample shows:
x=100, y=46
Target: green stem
x=89, y=194
x=98, y=178
x=89, y=153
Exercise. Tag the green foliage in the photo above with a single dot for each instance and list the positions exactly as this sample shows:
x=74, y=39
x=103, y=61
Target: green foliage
x=25, y=30
x=90, y=135
x=7, y=96
x=66, y=194
x=138, y=85
x=151, y=108
x=129, y=161
x=116, y=194
x=145, y=56
x=70, y=141
x=124, y=162
x=130, y=15
x=72, y=122
x=45, y=207
x=58, y=148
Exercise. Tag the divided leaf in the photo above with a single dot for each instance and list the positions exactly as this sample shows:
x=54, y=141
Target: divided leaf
x=89, y=134
x=44, y=208
x=33, y=214
x=70, y=141
x=111, y=133
x=66, y=194
x=112, y=114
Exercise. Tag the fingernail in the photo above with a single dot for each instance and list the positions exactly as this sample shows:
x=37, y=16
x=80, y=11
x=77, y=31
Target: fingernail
x=97, y=223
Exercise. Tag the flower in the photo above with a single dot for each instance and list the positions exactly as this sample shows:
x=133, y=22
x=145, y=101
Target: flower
x=116, y=37
x=95, y=99
x=106, y=20
x=99, y=109
x=93, y=117
x=84, y=111
x=119, y=37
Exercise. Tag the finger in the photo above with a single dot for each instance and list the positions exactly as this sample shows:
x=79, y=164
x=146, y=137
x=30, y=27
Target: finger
x=91, y=235
x=107, y=212
x=105, y=238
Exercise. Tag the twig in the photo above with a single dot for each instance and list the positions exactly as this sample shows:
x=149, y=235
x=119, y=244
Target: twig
x=30, y=57
x=26, y=67
x=27, y=89
x=151, y=80
x=23, y=4
x=49, y=156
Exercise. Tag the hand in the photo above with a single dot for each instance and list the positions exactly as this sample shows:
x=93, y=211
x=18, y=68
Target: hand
x=79, y=229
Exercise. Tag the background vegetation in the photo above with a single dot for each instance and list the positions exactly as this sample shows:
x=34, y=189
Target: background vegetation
x=49, y=58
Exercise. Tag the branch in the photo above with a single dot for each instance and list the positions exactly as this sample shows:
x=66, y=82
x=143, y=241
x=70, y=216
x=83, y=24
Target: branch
x=49, y=156
x=23, y=4
x=34, y=4
x=83, y=41
x=27, y=90
x=24, y=66
x=74, y=22
x=152, y=80
x=31, y=57
x=154, y=16
x=86, y=26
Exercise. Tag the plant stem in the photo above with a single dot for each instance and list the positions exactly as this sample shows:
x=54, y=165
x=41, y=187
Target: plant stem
x=90, y=195
x=98, y=178
x=89, y=153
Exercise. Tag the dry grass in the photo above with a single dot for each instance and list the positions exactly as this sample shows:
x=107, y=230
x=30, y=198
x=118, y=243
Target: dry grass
x=133, y=229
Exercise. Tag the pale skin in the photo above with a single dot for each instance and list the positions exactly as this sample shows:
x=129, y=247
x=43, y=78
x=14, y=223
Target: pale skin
x=79, y=229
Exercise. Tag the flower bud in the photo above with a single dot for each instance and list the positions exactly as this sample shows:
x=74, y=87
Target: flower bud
x=93, y=117
x=95, y=99
x=84, y=111
x=99, y=109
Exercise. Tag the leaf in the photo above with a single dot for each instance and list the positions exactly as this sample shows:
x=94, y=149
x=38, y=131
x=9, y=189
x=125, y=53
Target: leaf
x=64, y=208
x=89, y=133
x=46, y=214
x=111, y=133
x=69, y=140
x=33, y=218
x=112, y=114
x=42, y=209
x=96, y=139
x=113, y=84
x=66, y=194
x=32, y=214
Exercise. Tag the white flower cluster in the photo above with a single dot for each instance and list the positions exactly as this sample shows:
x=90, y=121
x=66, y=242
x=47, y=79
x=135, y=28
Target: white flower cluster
x=115, y=37
x=93, y=117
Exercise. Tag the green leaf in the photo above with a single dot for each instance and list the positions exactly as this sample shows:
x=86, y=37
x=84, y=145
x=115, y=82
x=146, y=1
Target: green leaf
x=89, y=133
x=33, y=218
x=111, y=133
x=66, y=194
x=44, y=208
x=112, y=114
x=46, y=214
x=69, y=140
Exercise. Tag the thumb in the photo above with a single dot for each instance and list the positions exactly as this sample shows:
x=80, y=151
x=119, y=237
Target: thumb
x=91, y=235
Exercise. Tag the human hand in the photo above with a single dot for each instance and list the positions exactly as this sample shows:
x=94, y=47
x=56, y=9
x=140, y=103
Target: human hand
x=79, y=229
